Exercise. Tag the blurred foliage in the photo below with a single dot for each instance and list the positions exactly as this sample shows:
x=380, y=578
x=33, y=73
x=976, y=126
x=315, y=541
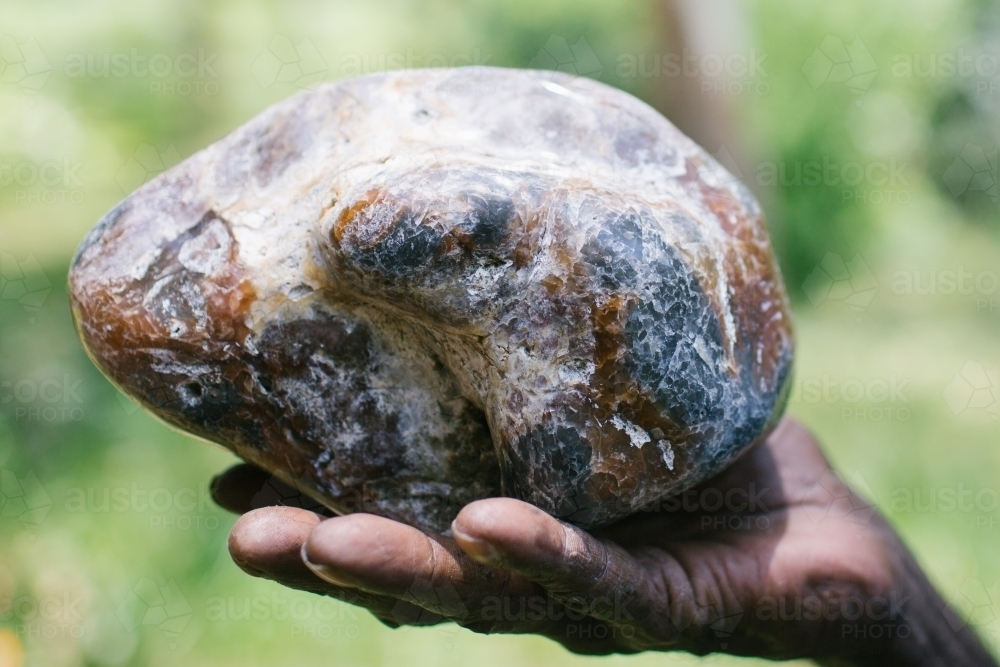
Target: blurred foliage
x=105, y=517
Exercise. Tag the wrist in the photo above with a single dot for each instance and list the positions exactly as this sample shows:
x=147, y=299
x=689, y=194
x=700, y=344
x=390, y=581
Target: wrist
x=916, y=628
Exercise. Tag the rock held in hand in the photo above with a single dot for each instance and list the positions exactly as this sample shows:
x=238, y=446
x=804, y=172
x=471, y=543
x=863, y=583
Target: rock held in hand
x=407, y=291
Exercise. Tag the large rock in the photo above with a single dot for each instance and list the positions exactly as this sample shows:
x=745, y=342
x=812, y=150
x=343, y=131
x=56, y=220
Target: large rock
x=407, y=291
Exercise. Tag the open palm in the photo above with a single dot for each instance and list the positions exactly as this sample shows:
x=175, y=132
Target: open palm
x=775, y=557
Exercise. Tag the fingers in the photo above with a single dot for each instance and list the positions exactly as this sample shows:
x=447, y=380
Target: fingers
x=268, y=543
x=245, y=487
x=403, y=575
x=595, y=577
x=235, y=488
x=384, y=557
x=430, y=572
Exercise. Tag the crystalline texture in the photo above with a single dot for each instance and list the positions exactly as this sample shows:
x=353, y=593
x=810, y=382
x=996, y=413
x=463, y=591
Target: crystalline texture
x=407, y=291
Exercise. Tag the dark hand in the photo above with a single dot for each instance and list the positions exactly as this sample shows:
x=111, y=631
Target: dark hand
x=775, y=557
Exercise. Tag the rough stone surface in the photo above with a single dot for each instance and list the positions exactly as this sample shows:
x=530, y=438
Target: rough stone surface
x=407, y=291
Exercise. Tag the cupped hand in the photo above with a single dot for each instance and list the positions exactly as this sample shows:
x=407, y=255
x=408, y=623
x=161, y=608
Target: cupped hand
x=776, y=557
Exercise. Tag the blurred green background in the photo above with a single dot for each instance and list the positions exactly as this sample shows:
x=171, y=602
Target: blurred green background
x=868, y=131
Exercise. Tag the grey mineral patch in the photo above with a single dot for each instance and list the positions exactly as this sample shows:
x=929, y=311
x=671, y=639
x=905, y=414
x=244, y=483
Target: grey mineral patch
x=406, y=291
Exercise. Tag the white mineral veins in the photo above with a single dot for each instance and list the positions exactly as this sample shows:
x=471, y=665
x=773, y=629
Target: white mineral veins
x=406, y=291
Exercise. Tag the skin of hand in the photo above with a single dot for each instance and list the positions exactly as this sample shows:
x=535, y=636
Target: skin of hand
x=776, y=557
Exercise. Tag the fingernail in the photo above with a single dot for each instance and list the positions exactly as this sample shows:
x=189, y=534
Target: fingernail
x=479, y=549
x=325, y=572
